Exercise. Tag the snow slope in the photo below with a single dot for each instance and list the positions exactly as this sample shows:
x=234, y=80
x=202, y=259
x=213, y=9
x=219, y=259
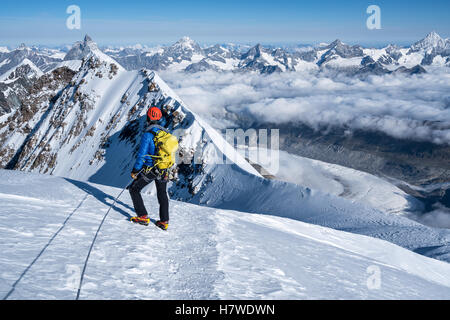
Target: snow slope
x=74, y=65
x=244, y=192
x=205, y=254
x=334, y=179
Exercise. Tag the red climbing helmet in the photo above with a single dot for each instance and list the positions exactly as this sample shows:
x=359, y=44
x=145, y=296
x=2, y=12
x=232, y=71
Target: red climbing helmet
x=154, y=114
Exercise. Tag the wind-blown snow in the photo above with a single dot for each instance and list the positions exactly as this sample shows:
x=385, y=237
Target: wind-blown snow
x=205, y=254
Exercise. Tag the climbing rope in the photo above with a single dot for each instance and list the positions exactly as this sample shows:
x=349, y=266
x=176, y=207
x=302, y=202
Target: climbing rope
x=43, y=249
x=95, y=237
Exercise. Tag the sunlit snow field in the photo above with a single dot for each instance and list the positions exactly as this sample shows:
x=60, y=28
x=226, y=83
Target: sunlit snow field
x=48, y=224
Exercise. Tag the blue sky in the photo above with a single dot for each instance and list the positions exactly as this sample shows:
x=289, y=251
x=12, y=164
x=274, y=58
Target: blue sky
x=245, y=21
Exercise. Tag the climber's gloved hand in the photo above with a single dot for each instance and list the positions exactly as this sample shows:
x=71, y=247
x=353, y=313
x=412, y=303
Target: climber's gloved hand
x=134, y=174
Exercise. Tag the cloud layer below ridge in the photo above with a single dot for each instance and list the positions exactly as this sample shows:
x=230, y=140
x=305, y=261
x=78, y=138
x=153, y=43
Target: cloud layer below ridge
x=402, y=106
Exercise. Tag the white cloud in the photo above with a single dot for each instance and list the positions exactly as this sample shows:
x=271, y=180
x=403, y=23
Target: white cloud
x=402, y=106
x=438, y=218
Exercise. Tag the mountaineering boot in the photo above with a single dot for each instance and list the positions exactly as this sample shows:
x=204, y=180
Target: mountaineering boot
x=162, y=224
x=144, y=220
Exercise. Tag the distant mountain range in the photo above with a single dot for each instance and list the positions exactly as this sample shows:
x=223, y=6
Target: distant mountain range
x=187, y=55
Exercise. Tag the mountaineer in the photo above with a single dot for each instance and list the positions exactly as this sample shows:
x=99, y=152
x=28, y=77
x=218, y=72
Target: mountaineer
x=155, y=158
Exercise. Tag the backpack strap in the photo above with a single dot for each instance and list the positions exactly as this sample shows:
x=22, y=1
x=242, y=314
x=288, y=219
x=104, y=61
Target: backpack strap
x=150, y=129
x=157, y=126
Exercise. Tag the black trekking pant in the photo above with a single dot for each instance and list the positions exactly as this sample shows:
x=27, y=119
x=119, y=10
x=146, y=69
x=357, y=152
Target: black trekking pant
x=161, y=186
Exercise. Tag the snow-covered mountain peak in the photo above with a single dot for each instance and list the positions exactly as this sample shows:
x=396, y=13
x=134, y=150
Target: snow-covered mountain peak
x=185, y=41
x=23, y=46
x=343, y=48
x=432, y=41
x=82, y=49
x=87, y=39
x=216, y=49
x=176, y=57
x=392, y=47
x=266, y=60
x=433, y=36
x=25, y=69
x=341, y=55
x=92, y=58
x=336, y=43
x=253, y=52
x=186, y=44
